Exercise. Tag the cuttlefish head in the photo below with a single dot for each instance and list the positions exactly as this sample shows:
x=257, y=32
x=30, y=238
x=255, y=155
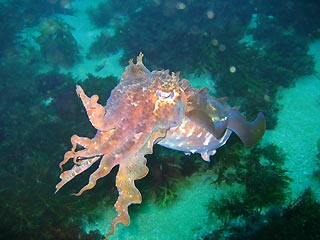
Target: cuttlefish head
x=157, y=100
x=169, y=98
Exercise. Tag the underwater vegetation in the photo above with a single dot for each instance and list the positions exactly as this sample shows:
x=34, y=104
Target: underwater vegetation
x=16, y=14
x=32, y=127
x=57, y=44
x=259, y=170
x=166, y=26
x=305, y=21
x=265, y=181
x=114, y=12
x=298, y=220
x=257, y=68
x=103, y=44
x=9, y=26
x=33, y=10
x=316, y=173
x=22, y=20
x=167, y=168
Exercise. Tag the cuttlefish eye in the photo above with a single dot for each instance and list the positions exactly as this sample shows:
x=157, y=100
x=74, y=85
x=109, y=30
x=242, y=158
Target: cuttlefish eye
x=166, y=96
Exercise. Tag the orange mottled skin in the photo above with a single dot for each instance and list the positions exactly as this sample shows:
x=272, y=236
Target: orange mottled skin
x=139, y=112
x=144, y=109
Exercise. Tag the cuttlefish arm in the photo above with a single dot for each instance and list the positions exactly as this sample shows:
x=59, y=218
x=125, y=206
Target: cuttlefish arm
x=132, y=169
x=128, y=193
x=96, y=112
x=249, y=132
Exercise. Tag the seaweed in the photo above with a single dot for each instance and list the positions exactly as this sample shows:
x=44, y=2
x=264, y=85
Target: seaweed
x=113, y=12
x=238, y=74
x=33, y=10
x=33, y=128
x=299, y=220
x=102, y=86
x=167, y=167
x=102, y=46
x=260, y=69
x=316, y=173
x=230, y=207
x=259, y=171
x=10, y=25
x=265, y=183
x=167, y=25
x=305, y=21
x=57, y=44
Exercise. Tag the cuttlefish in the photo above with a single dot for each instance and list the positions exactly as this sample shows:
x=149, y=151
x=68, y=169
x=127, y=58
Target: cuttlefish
x=144, y=109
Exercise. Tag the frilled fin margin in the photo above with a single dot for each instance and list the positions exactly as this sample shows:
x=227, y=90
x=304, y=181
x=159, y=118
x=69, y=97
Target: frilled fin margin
x=250, y=133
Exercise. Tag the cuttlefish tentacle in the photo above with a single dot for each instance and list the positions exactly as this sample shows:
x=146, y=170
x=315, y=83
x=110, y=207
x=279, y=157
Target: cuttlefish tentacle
x=128, y=193
x=75, y=140
x=68, y=175
x=91, y=147
x=129, y=171
x=104, y=169
x=87, y=152
x=84, y=158
x=249, y=132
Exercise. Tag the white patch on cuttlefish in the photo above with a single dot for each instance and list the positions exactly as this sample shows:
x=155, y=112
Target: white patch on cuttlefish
x=190, y=132
x=206, y=142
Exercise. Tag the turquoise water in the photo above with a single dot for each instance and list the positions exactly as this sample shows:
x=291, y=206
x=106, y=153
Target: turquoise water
x=263, y=55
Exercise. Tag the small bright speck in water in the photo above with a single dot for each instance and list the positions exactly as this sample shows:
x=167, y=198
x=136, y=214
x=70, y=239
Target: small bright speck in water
x=222, y=47
x=210, y=14
x=214, y=42
x=233, y=69
x=180, y=5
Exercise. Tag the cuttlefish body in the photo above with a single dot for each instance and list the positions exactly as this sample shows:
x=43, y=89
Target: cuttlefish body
x=208, y=124
x=144, y=109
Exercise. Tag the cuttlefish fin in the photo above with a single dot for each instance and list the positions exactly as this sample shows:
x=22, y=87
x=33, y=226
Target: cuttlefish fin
x=249, y=132
x=204, y=90
x=222, y=99
x=202, y=119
